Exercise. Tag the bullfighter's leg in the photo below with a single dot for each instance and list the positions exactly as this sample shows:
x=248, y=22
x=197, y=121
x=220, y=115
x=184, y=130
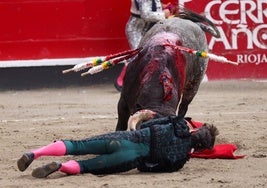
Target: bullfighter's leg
x=118, y=151
x=123, y=115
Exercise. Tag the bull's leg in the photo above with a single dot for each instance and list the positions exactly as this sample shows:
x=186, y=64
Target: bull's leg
x=183, y=107
x=188, y=95
x=123, y=115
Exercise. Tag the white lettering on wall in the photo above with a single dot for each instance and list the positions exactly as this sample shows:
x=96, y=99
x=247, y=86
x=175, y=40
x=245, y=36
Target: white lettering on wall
x=239, y=15
x=252, y=58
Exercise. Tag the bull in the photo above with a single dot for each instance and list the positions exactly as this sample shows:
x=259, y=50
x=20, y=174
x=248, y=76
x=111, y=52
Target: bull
x=164, y=73
x=162, y=79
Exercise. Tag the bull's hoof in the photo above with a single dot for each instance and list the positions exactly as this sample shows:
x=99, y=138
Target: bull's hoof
x=117, y=86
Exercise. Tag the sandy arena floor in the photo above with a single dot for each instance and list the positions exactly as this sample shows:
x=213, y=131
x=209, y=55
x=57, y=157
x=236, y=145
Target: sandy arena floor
x=33, y=118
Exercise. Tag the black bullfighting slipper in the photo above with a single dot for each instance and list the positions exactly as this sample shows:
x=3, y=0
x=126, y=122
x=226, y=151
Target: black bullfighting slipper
x=25, y=161
x=45, y=170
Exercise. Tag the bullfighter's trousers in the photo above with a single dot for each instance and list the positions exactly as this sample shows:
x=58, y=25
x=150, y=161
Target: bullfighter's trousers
x=116, y=152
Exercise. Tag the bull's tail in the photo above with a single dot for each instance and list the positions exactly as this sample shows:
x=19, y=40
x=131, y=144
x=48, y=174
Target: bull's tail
x=205, y=24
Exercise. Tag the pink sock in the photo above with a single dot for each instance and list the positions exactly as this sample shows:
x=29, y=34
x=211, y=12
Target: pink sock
x=57, y=148
x=70, y=167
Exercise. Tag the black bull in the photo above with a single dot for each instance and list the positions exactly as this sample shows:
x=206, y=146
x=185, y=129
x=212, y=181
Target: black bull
x=161, y=77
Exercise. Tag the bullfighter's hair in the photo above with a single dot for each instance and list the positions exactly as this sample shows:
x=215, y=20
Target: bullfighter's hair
x=204, y=137
x=213, y=130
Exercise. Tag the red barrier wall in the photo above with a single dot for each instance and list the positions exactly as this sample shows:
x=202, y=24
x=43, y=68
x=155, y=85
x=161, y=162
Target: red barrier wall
x=36, y=29
x=49, y=29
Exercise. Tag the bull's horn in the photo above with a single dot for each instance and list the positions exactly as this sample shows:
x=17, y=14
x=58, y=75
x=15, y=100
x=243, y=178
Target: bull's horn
x=138, y=117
